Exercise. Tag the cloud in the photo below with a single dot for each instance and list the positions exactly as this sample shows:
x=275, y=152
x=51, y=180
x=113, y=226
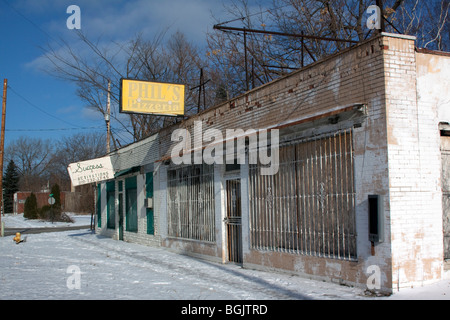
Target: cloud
x=67, y=110
x=192, y=17
x=109, y=22
x=90, y=114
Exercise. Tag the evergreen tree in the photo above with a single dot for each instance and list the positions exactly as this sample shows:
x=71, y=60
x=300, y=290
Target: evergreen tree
x=53, y=212
x=57, y=195
x=10, y=186
x=31, y=208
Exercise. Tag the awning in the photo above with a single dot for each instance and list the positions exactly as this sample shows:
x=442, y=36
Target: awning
x=127, y=171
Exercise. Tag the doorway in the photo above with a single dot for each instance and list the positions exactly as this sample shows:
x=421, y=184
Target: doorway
x=233, y=220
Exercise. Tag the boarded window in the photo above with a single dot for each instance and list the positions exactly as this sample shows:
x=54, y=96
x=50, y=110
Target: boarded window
x=308, y=207
x=191, y=203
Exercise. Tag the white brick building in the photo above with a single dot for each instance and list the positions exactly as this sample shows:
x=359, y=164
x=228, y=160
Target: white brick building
x=366, y=127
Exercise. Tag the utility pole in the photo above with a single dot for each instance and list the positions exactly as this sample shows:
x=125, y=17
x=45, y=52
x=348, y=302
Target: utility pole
x=2, y=147
x=201, y=88
x=107, y=118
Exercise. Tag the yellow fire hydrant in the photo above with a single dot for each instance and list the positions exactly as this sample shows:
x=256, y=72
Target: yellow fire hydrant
x=17, y=237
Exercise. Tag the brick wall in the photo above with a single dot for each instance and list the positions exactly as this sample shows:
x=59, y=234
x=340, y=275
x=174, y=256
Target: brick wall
x=41, y=198
x=414, y=171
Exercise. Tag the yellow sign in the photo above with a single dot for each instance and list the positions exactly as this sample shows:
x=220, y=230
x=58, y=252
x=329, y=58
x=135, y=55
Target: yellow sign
x=151, y=97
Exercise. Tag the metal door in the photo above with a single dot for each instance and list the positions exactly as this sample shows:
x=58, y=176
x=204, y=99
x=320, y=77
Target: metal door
x=445, y=152
x=233, y=220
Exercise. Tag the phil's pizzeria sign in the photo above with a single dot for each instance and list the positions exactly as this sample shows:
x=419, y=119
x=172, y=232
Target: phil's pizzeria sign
x=145, y=97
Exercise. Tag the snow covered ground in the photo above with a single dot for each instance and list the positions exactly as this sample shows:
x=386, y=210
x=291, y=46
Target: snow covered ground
x=18, y=221
x=78, y=264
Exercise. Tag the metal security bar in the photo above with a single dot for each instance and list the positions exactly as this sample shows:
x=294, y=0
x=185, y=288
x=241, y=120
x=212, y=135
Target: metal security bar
x=308, y=207
x=191, y=203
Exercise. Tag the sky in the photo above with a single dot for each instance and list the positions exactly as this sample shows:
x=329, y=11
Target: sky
x=42, y=106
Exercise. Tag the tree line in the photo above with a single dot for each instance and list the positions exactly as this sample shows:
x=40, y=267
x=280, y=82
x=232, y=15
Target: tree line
x=36, y=164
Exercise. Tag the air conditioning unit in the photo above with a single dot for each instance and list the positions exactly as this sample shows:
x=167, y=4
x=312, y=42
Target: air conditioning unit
x=148, y=203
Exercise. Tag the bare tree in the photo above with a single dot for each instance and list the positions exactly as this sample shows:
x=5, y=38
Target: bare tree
x=175, y=60
x=78, y=147
x=342, y=21
x=44, y=162
x=427, y=20
x=33, y=158
x=235, y=60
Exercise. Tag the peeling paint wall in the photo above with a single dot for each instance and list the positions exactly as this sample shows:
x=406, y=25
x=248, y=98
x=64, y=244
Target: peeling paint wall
x=417, y=99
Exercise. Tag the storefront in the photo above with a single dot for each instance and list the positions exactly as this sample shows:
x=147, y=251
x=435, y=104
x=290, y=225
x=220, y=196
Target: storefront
x=354, y=151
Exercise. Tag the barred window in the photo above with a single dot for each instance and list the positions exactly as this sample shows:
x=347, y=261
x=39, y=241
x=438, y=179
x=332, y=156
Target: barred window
x=308, y=207
x=191, y=203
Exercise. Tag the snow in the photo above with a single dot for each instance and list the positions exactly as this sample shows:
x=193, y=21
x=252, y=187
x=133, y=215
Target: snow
x=45, y=267
x=110, y=269
x=18, y=221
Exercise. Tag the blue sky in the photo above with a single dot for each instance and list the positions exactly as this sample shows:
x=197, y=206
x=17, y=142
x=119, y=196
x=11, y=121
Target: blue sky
x=40, y=105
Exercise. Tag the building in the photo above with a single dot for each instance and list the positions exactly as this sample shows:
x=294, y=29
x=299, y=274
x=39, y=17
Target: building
x=77, y=202
x=359, y=146
x=41, y=198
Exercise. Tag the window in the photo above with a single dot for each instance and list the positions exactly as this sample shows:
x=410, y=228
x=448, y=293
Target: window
x=131, y=204
x=308, y=207
x=110, y=205
x=191, y=203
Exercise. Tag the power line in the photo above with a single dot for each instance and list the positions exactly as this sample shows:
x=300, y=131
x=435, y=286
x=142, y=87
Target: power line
x=58, y=129
x=242, y=18
x=40, y=109
x=29, y=20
